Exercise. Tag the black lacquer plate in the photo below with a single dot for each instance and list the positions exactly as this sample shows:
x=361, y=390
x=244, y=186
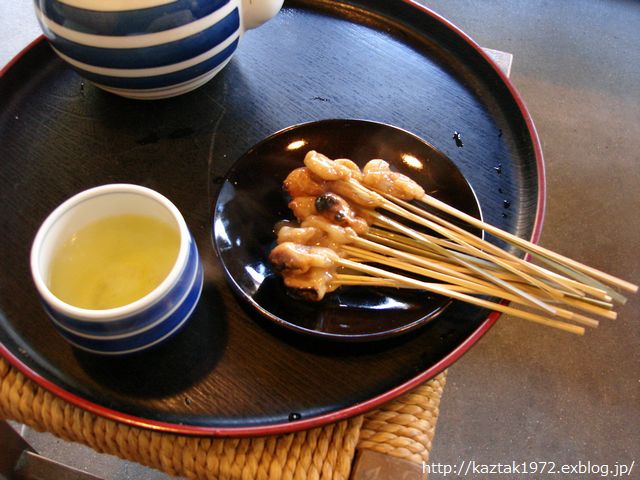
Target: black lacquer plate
x=252, y=202
x=231, y=371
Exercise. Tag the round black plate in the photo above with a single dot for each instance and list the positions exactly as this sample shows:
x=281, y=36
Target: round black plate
x=230, y=371
x=252, y=201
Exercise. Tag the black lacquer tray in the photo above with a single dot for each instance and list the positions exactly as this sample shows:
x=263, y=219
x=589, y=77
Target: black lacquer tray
x=230, y=372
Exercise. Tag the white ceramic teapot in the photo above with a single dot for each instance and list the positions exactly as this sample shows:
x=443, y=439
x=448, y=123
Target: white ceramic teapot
x=149, y=49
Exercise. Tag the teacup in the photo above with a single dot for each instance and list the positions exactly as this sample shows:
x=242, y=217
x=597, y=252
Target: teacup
x=119, y=328
x=149, y=49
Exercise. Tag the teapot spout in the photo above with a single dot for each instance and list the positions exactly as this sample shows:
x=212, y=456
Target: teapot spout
x=256, y=12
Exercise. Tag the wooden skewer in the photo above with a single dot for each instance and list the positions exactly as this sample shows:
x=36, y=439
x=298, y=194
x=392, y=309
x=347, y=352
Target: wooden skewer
x=369, y=281
x=464, y=240
x=529, y=246
x=402, y=242
x=484, y=273
x=584, y=303
x=481, y=243
x=582, y=277
x=437, y=288
x=555, y=258
x=587, y=304
x=461, y=285
x=606, y=305
x=349, y=279
x=369, y=256
x=553, y=279
x=406, y=244
x=442, y=267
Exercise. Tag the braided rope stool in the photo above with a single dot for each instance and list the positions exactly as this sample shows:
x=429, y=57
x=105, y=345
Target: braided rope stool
x=403, y=428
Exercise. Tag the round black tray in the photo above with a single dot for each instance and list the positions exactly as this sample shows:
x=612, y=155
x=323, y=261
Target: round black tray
x=229, y=372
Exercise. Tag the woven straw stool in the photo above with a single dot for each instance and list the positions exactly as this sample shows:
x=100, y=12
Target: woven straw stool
x=403, y=428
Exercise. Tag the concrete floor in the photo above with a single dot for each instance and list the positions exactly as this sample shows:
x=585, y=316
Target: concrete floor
x=84, y=458
x=525, y=393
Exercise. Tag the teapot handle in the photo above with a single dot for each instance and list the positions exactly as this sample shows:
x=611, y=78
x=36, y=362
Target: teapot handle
x=255, y=12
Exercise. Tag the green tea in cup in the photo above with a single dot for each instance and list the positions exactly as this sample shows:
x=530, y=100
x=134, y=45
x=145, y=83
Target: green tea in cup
x=113, y=261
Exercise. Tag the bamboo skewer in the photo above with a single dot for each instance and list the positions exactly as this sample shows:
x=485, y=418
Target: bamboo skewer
x=461, y=285
x=599, y=308
x=364, y=255
x=477, y=242
x=405, y=243
x=562, y=297
x=570, y=266
x=366, y=280
x=562, y=294
x=492, y=278
x=467, y=243
x=443, y=268
x=585, y=279
x=529, y=246
x=438, y=288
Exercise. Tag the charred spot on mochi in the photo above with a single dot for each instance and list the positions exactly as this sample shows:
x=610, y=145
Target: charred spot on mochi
x=326, y=202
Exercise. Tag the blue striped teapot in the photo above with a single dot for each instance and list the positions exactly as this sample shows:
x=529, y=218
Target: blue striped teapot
x=149, y=49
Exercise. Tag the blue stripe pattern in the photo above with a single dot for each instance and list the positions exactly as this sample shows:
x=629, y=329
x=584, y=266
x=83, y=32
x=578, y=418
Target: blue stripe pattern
x=142, y=319
x=143, y=328
x=162, y=80
x=146, y=339
x=135, y=22
x=159, y=55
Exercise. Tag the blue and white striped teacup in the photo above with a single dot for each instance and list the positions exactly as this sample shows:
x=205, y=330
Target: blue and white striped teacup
x=146, y=321
x=149, y=49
